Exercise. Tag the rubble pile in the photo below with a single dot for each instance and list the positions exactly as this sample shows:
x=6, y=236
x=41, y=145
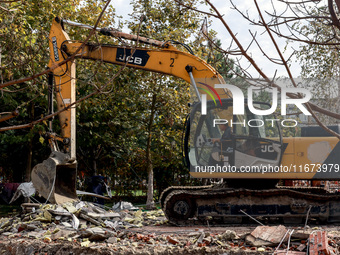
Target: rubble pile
x=76, y=217
x=84, y=228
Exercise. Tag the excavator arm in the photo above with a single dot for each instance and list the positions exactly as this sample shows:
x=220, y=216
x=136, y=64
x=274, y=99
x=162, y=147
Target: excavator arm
x=162, y=58
x=55, y=177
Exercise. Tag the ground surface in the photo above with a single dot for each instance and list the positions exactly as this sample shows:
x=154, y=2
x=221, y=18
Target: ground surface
x=137, y=241
x=83, y=228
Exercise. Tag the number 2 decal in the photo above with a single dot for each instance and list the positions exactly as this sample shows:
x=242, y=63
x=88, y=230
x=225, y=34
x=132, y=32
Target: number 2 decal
x=172, y=62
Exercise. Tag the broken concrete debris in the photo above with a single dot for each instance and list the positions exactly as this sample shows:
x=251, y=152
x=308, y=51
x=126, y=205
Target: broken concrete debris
x=122, y=205
x=81, y=215
x=84, y=225
x=229, y=235
x=319, y=243
x=267, y=236
x=80, y=221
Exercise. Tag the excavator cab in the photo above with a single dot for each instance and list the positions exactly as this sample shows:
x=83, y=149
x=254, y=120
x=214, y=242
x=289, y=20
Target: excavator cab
x=224, y=145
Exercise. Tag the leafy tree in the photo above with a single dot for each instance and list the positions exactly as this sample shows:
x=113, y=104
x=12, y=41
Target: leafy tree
x=164, y=98
x=23, y=48
x=24, y=27
x=319, y=61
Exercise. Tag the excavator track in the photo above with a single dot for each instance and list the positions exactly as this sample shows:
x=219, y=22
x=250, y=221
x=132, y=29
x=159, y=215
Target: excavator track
x=219, y=206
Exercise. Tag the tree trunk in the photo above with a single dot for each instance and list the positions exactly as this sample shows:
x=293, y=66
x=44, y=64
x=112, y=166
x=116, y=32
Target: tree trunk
x=150, y=204
x=27, y=176
x=96, y=156
x=94, y=163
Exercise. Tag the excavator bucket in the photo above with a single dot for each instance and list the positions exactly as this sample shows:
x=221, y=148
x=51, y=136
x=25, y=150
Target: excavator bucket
x=55, y=178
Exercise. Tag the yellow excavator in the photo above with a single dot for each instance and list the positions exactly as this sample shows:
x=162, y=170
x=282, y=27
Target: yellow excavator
x=251, y=158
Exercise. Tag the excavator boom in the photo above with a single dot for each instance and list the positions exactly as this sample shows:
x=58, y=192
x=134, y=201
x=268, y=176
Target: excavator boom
x=55, y=178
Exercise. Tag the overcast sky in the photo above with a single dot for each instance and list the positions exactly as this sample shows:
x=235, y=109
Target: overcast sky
x=241, y=27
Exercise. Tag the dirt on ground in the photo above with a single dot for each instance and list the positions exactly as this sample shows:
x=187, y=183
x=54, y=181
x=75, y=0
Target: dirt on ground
x=159, y=240
x=83, y=228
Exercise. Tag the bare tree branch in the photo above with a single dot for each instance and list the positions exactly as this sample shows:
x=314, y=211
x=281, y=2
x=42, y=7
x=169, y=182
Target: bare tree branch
x=98, y=90
x=311, y=107
x=70, y=58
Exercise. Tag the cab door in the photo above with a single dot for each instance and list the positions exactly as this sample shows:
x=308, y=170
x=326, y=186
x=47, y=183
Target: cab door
x=255, y=141
x=258, y=141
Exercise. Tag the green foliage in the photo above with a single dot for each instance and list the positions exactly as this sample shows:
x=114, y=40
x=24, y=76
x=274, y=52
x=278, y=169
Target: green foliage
x=224, y=65
x=266, y=97
x=24, y=27
x=319, y=61
x=164, y=20
x=112, y=127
